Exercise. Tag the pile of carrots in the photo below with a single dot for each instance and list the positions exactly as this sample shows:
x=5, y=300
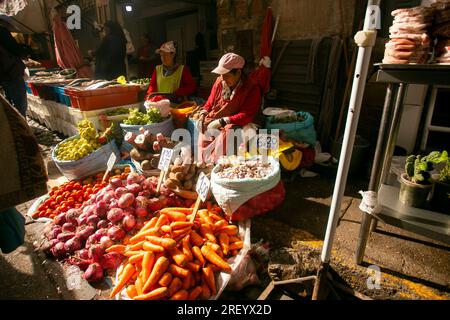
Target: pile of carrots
x=173, y=258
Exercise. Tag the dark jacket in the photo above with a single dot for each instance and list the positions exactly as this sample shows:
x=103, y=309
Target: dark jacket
x=110, y=58
x=11, y=54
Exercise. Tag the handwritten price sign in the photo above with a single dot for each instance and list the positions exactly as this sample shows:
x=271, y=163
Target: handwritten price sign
x=165, y=159
x=202, y=187
x=268, y=142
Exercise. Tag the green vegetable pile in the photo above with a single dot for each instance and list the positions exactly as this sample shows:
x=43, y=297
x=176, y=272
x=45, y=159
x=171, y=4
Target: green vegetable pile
x=117, y=112
x=138, y=118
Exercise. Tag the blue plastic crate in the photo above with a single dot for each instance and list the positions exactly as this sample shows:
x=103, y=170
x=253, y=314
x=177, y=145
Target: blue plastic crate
x=62, y=97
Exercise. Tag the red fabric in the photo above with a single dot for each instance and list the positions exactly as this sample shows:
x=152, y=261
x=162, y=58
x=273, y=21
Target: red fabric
x=68, y=55
x=261, y=204
x=262, y=75
x=187, y=84
x=309, y=155
x=247, y=100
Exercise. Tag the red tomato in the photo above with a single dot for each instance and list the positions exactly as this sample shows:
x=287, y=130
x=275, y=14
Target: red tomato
x=59, y=199
x=70, y=202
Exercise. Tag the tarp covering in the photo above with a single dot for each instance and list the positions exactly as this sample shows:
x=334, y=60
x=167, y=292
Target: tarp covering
x=68, y=55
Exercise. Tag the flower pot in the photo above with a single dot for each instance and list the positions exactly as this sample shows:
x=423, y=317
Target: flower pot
x=413, y=194
x=440, y=200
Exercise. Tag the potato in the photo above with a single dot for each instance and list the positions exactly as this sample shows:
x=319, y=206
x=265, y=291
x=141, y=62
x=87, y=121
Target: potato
x=179, y=176
x=189, y=176
x=172, y=184
x=187, y=185
x=178, y=161
x=146, y=165
x=186, y=168
x=176, y=169
x=193, y=168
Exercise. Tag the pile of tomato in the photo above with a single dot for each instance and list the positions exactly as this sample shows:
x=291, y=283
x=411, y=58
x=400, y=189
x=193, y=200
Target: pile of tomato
x=73, y=194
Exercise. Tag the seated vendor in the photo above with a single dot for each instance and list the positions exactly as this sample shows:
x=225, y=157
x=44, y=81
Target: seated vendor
x=171, y=77
x=235, y=101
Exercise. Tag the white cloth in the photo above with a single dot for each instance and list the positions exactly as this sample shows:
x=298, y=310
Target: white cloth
x=12, y=7
x=369, y=202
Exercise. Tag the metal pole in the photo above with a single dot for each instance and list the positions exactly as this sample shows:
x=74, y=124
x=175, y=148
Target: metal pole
x=359, y=81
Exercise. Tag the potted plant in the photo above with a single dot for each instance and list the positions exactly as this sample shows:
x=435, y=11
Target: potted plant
x=416, y=182
x=441, y=190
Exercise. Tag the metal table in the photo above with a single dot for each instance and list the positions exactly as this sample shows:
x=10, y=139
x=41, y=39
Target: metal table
x=424, y=222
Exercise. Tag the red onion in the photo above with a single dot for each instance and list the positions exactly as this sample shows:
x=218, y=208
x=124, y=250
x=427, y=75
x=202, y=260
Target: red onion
x=128, y=223
x=155, y=204
x=101, y=209
x=69, y=227
x=72, y=245
x=111, y=261
x=120, y=192
x=102, y=224
x=83, y=254
x=53, y=234
x=100, y=233
x=133, y=178
x=106, y=242
x=126, y=200
x=65, y=236
x=140, y=212
x=115, y=215
x=60, y=219
x=95, y=252
x=116, y=233
x=84, y=232
x=58, y=250
x=116, y=183
x=134, y=188
x=93, y=273
x=93, y=220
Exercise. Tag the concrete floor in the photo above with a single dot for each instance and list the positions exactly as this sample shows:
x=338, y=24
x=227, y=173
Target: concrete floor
x=412, y=267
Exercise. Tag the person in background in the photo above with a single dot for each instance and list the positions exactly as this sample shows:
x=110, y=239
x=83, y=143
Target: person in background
x=110, y=56
x=12, y=69
x=171, y=77
x=234, y=102
x=147, y=57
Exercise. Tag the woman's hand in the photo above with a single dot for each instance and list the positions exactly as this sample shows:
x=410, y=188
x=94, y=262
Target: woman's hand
x=215, y=125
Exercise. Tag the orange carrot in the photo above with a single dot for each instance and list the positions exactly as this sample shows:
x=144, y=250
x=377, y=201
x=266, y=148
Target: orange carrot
x=179, y=232
x=207, y=233
x=224, y=242
x=126, y=240
x=175, y=285
x=138, y=285
x=215, y=268
x=136, y=258
x=220, y=224
x=206, y=291
x=214, y=258
x=197, y=278
x=158, y=270
x=230, y=230
x=208, y=205
x=181, y=225
x=162, y=220
x=216, y=217
x=165, y=280
x=179, y=257
x=178, y=271
x=209, y=279
x=153, y=295
x=116, y=248
x=141, y=235
x=176, y=209
x=186, y=247
x=148, y=246
x=195, y=293
x=150, y=224
x=193, y=267
x=147, y=265
x=187, y=281
x=175, y=216
x=180, y=295
x=166, y=229
x=136, y=246
x=205, y=217
x=131, y=291
x=236, y=245
x=234, y=239
x=131, y=253
x=198, y=254
x=234, y=252
x=166, y=243
x=126, y=274
x=196, y=239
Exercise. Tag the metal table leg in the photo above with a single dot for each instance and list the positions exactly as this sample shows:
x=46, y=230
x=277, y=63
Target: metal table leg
x=376, y=168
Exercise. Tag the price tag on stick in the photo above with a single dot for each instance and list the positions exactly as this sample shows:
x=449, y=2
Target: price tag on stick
x=111, y=161
x=202, y=188
x=163, y=165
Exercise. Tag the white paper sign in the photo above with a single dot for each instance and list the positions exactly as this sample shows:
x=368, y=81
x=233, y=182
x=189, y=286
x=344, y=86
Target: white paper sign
x=202, y=187
x=111, y=161
x=267, y=141
x=165, y=159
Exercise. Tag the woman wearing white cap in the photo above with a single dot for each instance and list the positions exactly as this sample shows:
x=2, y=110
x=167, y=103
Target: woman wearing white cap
x=235, y=100
x=170, y=77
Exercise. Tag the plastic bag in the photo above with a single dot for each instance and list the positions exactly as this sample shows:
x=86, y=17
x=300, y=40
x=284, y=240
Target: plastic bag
x=261, y=204
x=244, y=275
